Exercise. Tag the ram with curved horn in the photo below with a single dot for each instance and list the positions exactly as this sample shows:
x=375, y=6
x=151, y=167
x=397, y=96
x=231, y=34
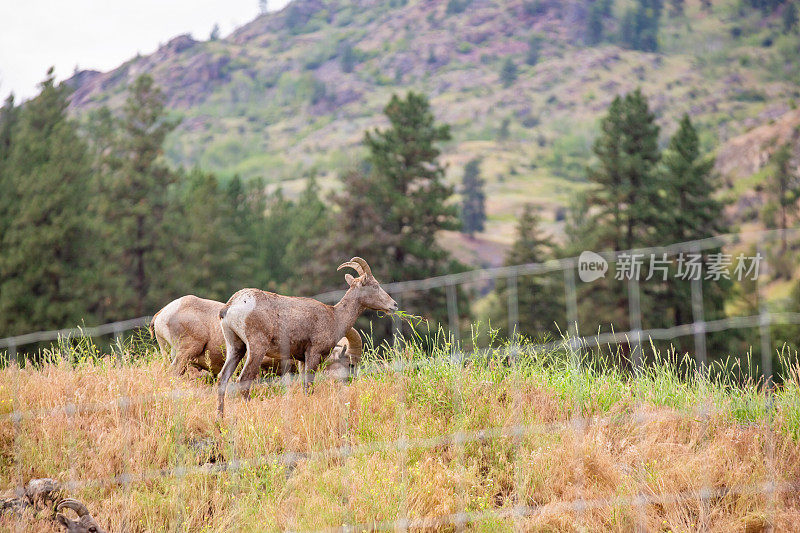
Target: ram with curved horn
x=263, y=324
x=84, y=524
x=188, y=332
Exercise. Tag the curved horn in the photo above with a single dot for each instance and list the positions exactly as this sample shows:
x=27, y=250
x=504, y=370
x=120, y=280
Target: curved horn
x=364, y=266
x=75, y=505
x=352, y=264
x=355, y=343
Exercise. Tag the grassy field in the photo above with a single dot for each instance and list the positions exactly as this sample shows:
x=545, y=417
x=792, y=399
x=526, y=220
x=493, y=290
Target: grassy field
x=544, y=445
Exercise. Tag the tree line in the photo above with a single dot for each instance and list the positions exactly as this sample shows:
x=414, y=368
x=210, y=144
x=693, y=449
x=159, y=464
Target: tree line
x=95, y=227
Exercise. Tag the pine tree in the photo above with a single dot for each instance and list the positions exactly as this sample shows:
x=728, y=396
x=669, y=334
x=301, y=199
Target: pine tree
x=624, y=208
x=693, y=213
x=473, y=208
x=209, y=246
x=508, y=74
x=9, y=115
x=540, y=298
x=696, y=213
x=626, y=193
x=783, y=190
x=214, y=35
x=789, y=17
x=46, y=261
x=639, y=26
x=594, y=24
x=391, y=210
x=138, y=193
x=534, y=49
x=310, y=227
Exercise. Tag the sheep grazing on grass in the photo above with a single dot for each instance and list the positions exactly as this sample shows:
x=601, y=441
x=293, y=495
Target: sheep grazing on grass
x=45, y=495
x=188, y=331
x=267, y=325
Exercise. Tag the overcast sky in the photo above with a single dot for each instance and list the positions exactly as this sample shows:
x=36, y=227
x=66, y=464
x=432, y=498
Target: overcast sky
x=100, y=34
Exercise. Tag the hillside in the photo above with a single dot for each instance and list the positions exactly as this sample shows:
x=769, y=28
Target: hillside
x=291, y=93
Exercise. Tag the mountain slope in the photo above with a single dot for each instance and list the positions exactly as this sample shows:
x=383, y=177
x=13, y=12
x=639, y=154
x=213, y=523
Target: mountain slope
x=292, y=92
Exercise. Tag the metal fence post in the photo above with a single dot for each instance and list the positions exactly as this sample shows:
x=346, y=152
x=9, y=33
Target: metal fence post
x=698, y=319
x=764, y=322
x=635, y=317
x=452, y=315
x=572, y=310
x=513, y=309
x=397, y=323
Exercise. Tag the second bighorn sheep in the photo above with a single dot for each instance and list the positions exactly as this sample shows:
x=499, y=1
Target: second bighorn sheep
x=267, y=325
x=188, y=330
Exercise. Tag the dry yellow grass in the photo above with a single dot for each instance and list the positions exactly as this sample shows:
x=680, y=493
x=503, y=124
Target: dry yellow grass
x=568, y=450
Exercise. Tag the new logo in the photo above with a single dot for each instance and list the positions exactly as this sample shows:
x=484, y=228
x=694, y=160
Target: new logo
x=591, y=266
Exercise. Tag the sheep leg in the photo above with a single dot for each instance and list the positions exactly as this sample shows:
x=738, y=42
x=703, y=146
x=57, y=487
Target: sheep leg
x=255, y=355
x=186, y=349
x=312, y=362
x=234, y=350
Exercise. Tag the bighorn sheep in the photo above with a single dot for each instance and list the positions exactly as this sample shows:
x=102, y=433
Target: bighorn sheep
x=267, y=325
x=42, y=494
x=84, y=524
x=188, y=331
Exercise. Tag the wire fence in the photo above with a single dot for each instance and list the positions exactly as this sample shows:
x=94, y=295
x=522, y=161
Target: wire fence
x=573, y=343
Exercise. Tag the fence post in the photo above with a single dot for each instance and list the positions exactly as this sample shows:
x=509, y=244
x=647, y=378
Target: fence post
x=118, y=342
x=764, y=322
x=12, y=352
x=452, y=315
x=635, y=317
x=572, y=310
x=698, y=319
x=513, y=309
x=397, y=324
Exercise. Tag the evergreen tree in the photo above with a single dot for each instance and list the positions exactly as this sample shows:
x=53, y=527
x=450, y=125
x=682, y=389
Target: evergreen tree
x=309, y=229
x=214, y=36
x=626, y=195
x=214, y=254
x=9, y=114
x=594, y=24
x=639, y=27
x=540, y=298
x=696, y=213
x=789, y=17
x=508, y=74
x=534, y=49
x=473, y=203
x=693, y=213
x=624, y=208
x=783, y=192
x=138, y=193
x=391, y=210
x=46, y=263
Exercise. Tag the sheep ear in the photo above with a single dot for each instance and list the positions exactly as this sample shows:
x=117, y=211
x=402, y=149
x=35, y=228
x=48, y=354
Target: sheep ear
x=349, y=279
x=63, y=519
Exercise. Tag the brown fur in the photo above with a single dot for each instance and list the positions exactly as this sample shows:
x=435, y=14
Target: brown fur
x=265, y=325
x=191, y=336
